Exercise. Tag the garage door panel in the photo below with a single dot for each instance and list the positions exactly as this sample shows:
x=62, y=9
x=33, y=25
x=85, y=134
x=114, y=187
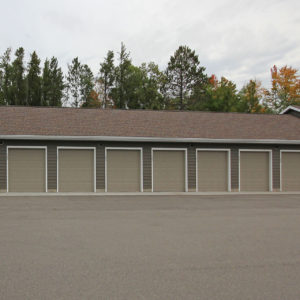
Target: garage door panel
x=76, y=170
x=123, y=170
x=168, y=171
x=77, y=173
x=26, y=170
x=212, y=171
x=28, y=174
x=68, y=186
x=290, y=171
x=254, y=171
x=25, y=185
x=77, y=176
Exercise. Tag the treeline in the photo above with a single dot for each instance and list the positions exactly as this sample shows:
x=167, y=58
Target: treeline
x=183, y=85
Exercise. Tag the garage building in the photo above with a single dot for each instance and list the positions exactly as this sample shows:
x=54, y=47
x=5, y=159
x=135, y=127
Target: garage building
x=93, y=150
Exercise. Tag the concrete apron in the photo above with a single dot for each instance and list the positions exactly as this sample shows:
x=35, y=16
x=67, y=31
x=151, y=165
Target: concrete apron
x=149, y=194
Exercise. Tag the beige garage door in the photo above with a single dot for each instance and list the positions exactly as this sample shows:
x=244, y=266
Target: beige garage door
x=290, y=171
x=76, y=170
x=254, y=171
x=123, y=170
x=26, y=170
x=168, y=171
x=212, y=171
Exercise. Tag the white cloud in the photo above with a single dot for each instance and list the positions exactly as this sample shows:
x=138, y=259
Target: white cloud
x=237, y=39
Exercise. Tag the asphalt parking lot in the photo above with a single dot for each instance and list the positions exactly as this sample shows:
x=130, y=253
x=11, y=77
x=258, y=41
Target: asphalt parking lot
x=150, y=247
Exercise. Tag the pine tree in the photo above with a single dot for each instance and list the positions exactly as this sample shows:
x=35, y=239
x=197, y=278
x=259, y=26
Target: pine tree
x=46, y=83
x=86, y=85
x=52, y=83
x=122, y=72
x=80, y=83
x=5, y=77
x=34, y=92
x=73, y=82
x=184, y=74
x=107, y=76
x=17, y=94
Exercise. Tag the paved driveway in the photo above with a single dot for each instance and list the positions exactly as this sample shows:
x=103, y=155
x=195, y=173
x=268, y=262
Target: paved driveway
x=150, y=247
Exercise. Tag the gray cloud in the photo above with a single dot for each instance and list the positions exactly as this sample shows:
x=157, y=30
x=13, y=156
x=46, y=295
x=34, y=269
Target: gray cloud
x=237, y=39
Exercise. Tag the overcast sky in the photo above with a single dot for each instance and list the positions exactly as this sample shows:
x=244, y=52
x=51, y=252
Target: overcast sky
x=238, y=39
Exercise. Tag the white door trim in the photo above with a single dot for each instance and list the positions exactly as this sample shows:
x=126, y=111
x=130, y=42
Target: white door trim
x=228, y=163
x=270, y=165
x=141, y=163
x=28, y=147
x=186, y=164
x=295, y=151
x=73, y=148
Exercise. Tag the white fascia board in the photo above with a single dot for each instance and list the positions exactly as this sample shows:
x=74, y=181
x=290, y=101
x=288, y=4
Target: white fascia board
x=291, y=107
x=147, y=139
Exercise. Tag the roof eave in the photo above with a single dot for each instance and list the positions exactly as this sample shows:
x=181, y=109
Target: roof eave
x=290, y=108
x=147, y=139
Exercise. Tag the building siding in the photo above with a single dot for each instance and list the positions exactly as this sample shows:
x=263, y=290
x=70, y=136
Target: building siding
x=52, y=167
x=191, y=154
x=276, y=169
x=234, y=168
x=147, y=169
x=100, y=167
x=294, y=113
x=3, y=167
x=147, y=160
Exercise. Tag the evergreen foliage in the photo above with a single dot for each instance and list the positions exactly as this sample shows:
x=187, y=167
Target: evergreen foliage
x=33, y=80
x=182, y=85
x=107, y=76
x=184, y=75
x=52, y=83
x=120, y=92
x=17, y=89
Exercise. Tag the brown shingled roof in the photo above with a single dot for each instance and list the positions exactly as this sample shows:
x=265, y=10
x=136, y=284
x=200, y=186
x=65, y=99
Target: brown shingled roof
x=143, y=123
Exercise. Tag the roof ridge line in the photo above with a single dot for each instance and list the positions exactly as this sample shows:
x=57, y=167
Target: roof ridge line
x=137, y=110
